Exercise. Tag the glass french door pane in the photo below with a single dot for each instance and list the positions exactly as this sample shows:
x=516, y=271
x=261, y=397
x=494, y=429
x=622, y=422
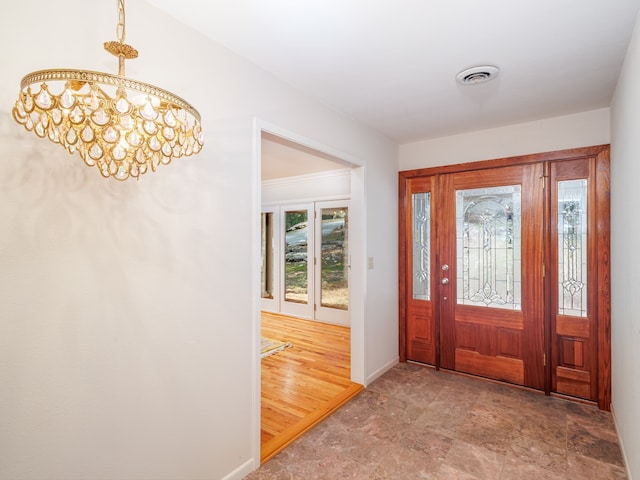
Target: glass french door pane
x=488, y=244
x=334, y=258
x=266, y=241
x=296, y=262
x=572, y=247
x=421, y=239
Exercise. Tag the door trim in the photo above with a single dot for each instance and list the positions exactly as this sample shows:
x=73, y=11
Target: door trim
x=601, y=155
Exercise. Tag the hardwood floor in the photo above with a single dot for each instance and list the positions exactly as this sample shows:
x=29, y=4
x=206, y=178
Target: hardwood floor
x=302, y=384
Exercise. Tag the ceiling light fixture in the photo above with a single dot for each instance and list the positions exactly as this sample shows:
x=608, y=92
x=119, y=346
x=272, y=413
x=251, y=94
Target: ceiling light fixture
x=121, y=126
x=476, y=75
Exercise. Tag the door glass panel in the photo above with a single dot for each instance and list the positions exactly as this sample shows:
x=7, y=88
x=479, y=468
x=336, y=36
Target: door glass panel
x=295, y=256
x=334, y=258
x=572, y=247
x=266, y=241
x=488, y=245
x=421, y=239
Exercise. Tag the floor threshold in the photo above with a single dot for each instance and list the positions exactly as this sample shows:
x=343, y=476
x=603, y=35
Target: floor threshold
x=271, y=448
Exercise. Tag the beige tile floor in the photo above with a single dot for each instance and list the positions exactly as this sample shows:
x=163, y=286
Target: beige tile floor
x=417, y=423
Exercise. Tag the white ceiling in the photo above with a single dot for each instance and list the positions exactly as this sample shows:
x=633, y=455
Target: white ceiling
x=282, y=158
x=391, y=64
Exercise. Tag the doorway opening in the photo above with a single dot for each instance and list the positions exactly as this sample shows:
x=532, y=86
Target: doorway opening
x=310, y=284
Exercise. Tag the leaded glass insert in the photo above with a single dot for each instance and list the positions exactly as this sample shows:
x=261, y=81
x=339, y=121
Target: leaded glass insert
x=572, y=247
x=488, y=247
x=421, y=252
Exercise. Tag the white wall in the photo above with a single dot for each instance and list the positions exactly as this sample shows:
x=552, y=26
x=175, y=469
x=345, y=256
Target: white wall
x=625, y=256
x=128, y=344
x=558, y=133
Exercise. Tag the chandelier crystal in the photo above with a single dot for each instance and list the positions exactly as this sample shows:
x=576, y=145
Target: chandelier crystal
x=123, y=127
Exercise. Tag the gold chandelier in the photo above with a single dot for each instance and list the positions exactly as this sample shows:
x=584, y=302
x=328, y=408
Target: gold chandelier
x=122, y=126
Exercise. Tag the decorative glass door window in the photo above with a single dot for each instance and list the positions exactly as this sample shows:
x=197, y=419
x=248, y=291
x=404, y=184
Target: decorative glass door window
x=421, y=254
x=488, y=245
x=572, y=247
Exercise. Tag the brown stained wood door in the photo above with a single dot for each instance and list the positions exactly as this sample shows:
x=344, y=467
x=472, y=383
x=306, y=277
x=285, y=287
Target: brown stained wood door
x=504, y=270
x=491, y=286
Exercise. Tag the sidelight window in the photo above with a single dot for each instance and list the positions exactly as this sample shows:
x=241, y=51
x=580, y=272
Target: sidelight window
x=572, y=247
x=421, y=255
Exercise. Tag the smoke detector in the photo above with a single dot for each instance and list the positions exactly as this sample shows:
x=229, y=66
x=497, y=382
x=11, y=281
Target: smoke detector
x=476, y=75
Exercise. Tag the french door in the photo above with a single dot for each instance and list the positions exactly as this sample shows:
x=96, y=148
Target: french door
x=502, y=271
x=296, y=261
x=332, y=262
x=306, y=261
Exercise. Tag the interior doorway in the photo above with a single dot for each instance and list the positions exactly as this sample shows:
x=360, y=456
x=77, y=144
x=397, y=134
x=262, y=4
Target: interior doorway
x=287, y=154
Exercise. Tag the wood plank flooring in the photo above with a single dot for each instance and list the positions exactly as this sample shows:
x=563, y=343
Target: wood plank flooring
x=302, y=384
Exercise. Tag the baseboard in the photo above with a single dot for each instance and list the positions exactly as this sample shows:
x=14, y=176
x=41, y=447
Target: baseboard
x=382, y=370
x=242, y=471
x=624, y=452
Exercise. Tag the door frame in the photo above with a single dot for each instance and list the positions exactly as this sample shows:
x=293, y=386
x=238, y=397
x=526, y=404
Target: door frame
x=359, y=370
x=602, y=240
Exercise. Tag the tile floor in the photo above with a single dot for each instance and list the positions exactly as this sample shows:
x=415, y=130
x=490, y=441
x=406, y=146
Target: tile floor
x=417, y=423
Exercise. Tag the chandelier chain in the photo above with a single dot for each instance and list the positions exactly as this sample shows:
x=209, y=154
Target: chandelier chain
x=121, y=33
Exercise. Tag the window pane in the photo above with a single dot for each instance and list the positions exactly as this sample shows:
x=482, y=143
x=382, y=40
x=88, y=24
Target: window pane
x=421, y=208
x=266, y=277
x=334, y=259
x=295, y=255
x=488, y=247
x=572, y=247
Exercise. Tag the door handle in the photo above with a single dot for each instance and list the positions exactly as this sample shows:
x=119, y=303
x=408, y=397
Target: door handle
x=444, y=281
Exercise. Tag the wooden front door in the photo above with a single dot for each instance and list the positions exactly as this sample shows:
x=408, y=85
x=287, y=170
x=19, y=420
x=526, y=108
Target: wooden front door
x=490, y=273
x=504, y=271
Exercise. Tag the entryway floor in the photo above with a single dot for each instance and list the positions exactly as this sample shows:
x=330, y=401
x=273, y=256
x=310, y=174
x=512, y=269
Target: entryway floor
x=418, y=423
x=304, y=383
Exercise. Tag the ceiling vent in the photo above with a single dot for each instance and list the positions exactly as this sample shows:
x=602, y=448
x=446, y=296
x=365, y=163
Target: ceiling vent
x=476, y=75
